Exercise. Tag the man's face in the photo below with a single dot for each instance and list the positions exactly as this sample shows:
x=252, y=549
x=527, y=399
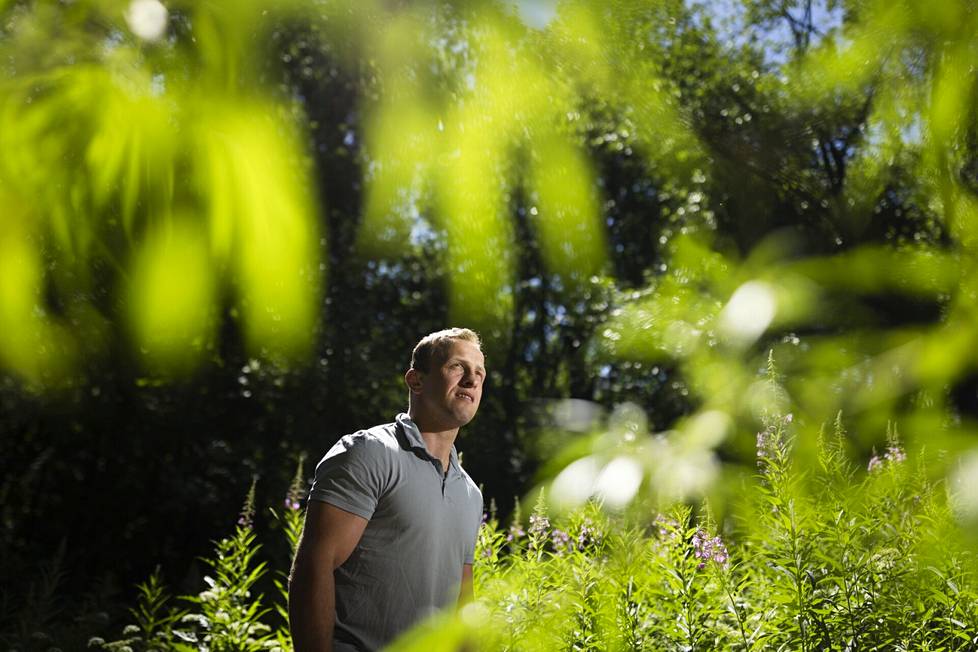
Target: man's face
x=450, y=392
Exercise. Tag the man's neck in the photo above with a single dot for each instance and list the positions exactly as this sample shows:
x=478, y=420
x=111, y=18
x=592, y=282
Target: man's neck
x=438, y=441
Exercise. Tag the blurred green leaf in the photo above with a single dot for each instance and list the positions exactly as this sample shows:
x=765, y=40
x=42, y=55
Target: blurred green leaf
x=171, y=298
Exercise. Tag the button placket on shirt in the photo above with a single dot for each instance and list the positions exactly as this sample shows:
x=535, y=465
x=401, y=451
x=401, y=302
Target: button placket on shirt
x=422, y=450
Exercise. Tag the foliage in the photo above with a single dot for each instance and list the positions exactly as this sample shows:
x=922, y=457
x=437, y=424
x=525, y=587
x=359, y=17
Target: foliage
x=226, y=616
x=153, y=630
x=634, y=201
x=867, y=560
x=135, y=156
x=291, y=520
x=38, y=613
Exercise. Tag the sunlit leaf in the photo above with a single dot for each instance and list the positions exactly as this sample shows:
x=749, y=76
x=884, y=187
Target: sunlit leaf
x=403, y=144
x=261, y=214
x=171, y=298
x=30, y=343
x=571, y=232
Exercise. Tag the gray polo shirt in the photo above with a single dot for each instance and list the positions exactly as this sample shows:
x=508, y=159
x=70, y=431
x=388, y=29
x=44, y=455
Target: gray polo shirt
x=422, y=526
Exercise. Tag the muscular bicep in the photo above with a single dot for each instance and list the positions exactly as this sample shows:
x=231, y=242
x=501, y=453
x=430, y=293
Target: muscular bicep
x=329, y=536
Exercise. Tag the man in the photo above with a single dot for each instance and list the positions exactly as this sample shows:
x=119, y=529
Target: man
x=392, y=518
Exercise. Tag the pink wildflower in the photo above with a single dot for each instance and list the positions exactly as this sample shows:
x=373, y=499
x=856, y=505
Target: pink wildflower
x=895, y=454
x=707, y=548
x=515, y=532
x=587, y=535
x=561, y=541
x=539, y=525
x=666, y=526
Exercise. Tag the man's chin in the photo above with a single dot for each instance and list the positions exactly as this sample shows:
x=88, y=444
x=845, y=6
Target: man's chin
x=463, y=418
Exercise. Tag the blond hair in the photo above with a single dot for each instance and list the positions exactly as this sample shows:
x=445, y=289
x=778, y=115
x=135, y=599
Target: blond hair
x=434, y=344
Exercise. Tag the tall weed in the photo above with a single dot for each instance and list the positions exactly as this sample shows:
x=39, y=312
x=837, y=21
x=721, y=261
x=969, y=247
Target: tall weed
x=829, y=557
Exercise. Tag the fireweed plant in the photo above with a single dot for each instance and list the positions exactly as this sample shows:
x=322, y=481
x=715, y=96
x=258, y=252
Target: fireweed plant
x=833, y=557
x=228, y=615
x=830, y=556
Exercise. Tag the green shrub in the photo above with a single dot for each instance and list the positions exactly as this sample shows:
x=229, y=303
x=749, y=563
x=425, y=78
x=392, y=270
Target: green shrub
x=227, y=616
x=820, y=558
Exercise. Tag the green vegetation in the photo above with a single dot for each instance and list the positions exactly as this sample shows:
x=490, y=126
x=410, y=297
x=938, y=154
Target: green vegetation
x=830, y=558
x=223, y=225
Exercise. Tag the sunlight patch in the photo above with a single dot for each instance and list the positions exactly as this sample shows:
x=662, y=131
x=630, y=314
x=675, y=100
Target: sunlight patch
x=619, y=481
x=749, y=312
x=537, y=14
x=963, y=487
x=575, y=484
x=147, y=19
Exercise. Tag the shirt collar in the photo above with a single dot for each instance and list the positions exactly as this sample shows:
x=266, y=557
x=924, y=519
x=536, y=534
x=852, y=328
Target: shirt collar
x=413, y=435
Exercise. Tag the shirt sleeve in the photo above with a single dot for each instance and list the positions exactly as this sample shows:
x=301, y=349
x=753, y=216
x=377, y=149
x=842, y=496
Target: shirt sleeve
x=352, y=475
x=476, y=523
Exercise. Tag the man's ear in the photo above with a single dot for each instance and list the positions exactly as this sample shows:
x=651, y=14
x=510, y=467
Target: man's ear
x=413, y=379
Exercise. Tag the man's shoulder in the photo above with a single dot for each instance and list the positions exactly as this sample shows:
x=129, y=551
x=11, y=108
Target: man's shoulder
x=471, y=488
x=384, y=433
x=357, y=471
x=468, y=478
x=377, y=438
x=370, y=450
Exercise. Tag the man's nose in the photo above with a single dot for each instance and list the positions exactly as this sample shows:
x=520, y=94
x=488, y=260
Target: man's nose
x=469, y=379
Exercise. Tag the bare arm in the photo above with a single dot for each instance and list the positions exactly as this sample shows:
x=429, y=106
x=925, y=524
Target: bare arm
x=466, y=595
x=329, y=536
